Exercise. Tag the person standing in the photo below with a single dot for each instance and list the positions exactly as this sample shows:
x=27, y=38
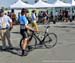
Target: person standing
x=34, y=19
x=13, y=17
x=5, y=27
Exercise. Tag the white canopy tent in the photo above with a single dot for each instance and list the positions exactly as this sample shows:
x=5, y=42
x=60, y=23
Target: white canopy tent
x=73, y=2
x=41, y=4
x=59, y=3
x=19, y=4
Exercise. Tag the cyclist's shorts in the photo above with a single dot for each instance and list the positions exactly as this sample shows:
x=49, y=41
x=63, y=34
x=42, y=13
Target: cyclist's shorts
x=24, y=33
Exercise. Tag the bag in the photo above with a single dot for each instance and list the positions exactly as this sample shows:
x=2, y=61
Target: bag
x=3, y=23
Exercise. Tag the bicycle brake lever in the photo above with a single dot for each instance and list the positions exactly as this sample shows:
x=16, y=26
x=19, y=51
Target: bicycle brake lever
x=48, y=26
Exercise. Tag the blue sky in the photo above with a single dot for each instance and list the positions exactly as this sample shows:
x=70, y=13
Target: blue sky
x=7, y=3
x=50, y=1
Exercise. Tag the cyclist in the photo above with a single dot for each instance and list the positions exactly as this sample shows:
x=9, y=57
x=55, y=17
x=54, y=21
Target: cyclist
x=23, y=31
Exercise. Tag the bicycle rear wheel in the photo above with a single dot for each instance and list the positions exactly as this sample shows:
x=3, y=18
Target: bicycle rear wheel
x=33, y=42
x=50, y=40
x=21, y=42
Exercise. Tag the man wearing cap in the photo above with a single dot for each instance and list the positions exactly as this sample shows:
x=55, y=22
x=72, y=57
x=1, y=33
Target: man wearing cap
x=5, y=27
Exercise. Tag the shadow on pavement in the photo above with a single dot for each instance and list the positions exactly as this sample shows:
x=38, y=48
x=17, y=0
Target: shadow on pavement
x=14, y=50
x=65, y=26
x=17, y=51
x=16, y=32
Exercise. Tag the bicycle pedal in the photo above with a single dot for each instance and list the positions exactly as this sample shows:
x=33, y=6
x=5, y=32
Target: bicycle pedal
x=30, y=48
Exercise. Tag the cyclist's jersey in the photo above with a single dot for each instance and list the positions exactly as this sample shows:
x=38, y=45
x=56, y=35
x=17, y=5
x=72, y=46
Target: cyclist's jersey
x=23, y=22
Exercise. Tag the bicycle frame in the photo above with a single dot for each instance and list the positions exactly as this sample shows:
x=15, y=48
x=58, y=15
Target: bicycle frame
x=34, y=37
x=45, y=34
x=38, y=38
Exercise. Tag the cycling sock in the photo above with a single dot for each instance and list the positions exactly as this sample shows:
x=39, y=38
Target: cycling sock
x=22, y=52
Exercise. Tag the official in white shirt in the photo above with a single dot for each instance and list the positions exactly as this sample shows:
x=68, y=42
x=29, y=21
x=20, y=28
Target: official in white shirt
x=5, y=27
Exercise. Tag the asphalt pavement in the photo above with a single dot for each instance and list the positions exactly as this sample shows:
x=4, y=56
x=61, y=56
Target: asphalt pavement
x=63, y=52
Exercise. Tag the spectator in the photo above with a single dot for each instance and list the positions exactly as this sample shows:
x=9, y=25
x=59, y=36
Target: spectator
x=5, y=27
x=34, y=19
x=45, y=17
x=13, y=16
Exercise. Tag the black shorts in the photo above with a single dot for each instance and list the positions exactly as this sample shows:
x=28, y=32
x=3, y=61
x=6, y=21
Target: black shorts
x=24, y=33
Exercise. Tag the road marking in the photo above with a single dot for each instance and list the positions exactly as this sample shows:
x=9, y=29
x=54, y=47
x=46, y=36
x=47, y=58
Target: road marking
x=48, y=61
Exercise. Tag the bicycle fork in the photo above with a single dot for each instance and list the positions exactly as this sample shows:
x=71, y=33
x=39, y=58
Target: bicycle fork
x=45, y=35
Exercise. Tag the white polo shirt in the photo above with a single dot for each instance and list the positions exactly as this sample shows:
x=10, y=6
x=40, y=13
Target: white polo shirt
x=33, y=17
x=5, y=22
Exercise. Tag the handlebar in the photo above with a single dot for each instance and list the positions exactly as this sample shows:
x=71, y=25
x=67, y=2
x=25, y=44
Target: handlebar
x=46, y=28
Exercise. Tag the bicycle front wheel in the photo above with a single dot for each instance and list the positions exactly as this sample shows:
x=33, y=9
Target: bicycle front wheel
x=50, y=40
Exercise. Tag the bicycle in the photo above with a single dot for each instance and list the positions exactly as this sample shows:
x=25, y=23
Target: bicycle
x=48, y=39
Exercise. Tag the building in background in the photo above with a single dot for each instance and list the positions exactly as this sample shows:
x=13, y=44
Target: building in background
x=42, y=0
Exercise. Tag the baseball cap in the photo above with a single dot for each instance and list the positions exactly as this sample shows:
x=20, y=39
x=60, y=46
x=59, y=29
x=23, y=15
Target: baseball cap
x=1, y=11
